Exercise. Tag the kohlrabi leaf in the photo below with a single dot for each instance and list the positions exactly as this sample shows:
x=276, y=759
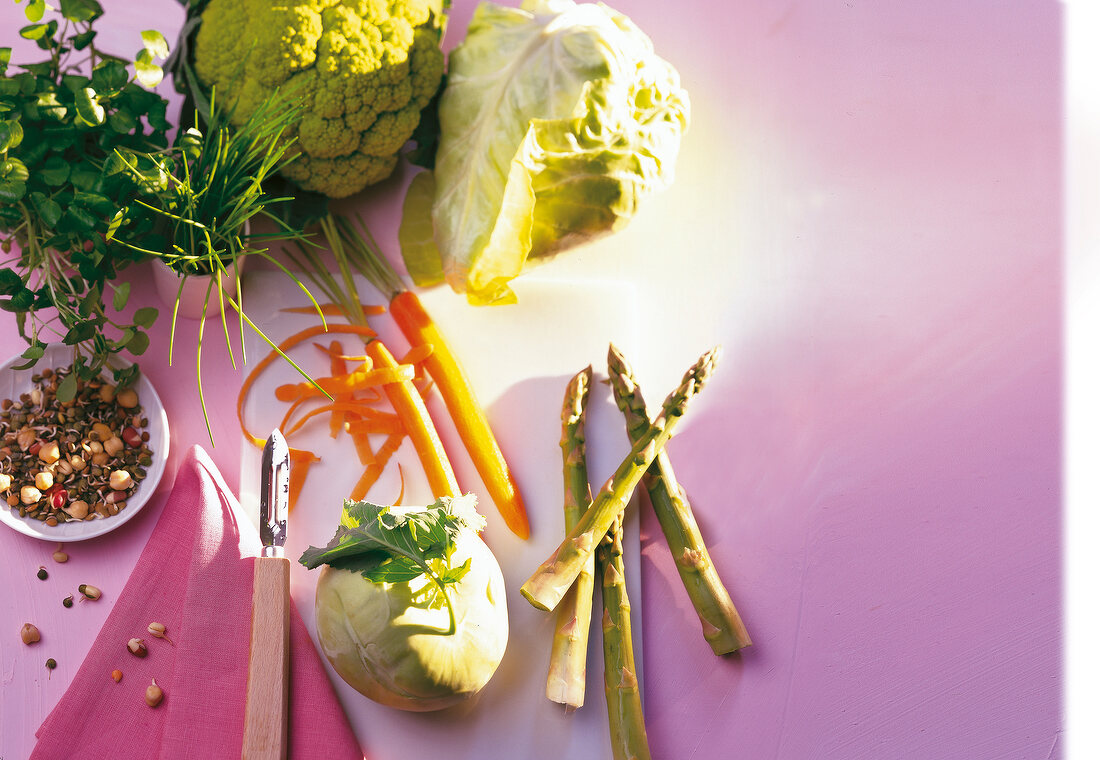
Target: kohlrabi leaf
x=557, y=120
x=378, y=535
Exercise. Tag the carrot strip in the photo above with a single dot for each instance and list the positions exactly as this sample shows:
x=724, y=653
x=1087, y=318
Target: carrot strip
x=347, y=383
x=334, y=310
x=370, y=420
x=374, y=470
x=418, y=353
x=363, y=448
x=300, y=461
x=410, y=408
x=400, y=494
x=286, y=345
x=329, y=352
x=469, y=418
x=337, y=365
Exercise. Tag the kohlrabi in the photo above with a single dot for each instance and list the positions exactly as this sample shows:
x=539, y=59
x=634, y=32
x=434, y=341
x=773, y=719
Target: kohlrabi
x=411, y=609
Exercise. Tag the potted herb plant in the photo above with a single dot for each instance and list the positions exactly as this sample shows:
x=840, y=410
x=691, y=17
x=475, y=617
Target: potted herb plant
x=201, y=195
x=60, y=120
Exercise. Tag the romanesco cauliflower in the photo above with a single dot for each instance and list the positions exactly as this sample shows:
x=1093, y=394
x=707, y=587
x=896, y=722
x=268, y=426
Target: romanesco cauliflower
x=366, y=67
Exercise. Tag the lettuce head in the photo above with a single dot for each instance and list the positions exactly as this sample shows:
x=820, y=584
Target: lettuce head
x=557, y=120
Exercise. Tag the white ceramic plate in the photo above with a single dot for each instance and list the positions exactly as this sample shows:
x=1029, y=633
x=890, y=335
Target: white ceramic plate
x=15, y=382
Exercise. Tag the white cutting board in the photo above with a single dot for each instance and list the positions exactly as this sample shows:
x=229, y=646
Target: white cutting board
x=519, y=359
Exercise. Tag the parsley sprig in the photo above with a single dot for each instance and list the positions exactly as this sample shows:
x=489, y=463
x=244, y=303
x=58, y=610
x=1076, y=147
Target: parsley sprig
x=399, y=544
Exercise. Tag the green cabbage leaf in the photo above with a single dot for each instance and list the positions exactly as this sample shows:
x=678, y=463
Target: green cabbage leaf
x=557, y=121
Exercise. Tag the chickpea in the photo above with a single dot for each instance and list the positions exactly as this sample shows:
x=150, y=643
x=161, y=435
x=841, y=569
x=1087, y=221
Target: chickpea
x=121, y=480
x=43, y=481
x=29, y=495
x=50, y=452
x=127, y=398
x=112, y=445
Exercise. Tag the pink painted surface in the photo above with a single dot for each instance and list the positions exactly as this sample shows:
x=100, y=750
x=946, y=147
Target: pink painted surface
x=867, y=214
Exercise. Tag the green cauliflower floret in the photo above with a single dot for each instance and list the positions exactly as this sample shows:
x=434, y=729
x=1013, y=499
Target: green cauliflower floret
x=366, y=67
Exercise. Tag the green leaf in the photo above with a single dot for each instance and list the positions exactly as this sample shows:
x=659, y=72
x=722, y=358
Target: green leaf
x=66, y=390
x=51, y=107
x=11, y=134
x=85, y=179
x=122, y=295
x=148, y=74
x=35, y=10
x=10, y=282
x=12, y=190
x=89, y=301
x=122, y=121
x=84, y=39
x=110, y=75
x=145, y=316
x=88, y=108
x=55, y=172
x=5, y=58
x=33, y=31
x=49, y=212
x=14, y=169
x=138, y=344
x=155, y=43
x=32, y=355
x=81, y=10
x=99, y=204
x=418, y=534
x=81, y=332
x=76, y=219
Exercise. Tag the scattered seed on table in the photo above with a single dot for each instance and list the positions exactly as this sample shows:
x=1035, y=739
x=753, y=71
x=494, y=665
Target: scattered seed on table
x=29, y=634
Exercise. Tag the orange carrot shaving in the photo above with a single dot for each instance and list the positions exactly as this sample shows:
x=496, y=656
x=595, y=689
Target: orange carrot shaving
x=371, y=420
x=334, y=310
x=347, y=383
x=337, y=366
x=400, y=494
x=363, y=448
x=410, y=408
x=469, y=418
x=286, y=345
x=338, y=354
x=374, y=470
x=418, y=353
x=300, y=461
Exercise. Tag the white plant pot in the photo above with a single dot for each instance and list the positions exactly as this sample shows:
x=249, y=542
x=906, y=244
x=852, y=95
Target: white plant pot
x=194, y=292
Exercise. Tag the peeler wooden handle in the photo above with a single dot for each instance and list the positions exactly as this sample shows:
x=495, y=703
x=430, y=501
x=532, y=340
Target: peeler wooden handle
x=266, y=708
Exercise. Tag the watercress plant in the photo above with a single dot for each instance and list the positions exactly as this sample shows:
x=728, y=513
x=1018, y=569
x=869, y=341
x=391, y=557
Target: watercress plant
x=60, y=118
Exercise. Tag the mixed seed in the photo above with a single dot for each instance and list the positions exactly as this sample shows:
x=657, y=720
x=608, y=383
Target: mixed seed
x=74, y=460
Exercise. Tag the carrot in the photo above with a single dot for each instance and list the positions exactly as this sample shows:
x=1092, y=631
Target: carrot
x=469, y=418
x=337, y=365
x=300, y=460
x=371, y=420
x=370, y=475
x=286, y=345
x=410, y=408
x=349, y=383
x=362, y=447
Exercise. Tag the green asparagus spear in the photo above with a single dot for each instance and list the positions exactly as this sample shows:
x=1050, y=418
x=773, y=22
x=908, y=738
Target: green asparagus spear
x=545, y=588
x=722, y=625
x=620, y=680
x=565, y=680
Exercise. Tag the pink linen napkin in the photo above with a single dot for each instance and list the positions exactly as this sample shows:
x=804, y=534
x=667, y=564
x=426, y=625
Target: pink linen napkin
x=195, y=576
